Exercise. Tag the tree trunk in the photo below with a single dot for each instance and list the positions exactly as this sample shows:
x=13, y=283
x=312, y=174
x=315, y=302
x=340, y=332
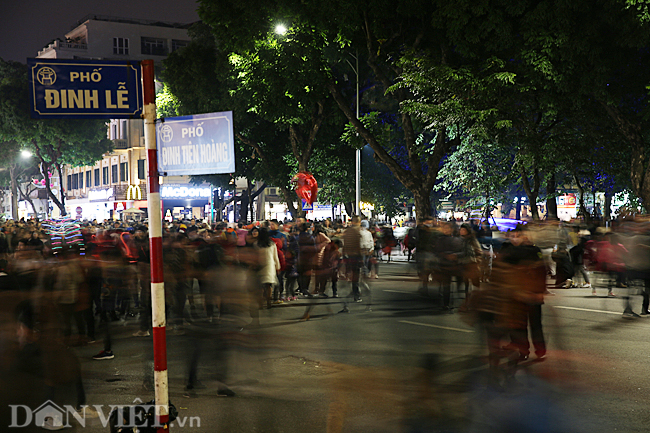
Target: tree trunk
x=633, y=133
x=531, y=193
x=582, y=207
x=607, y=212
x=14, y=192
x=243, y=208
x=289, y=200
x=551, y=202
x=44, y=167
x=61, y=189
x=422, y=203
x=349, y=208
x=25, y=196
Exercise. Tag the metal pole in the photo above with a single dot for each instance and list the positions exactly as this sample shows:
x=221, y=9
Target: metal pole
x=211, y=216
x=155, y=246
x=357, y=196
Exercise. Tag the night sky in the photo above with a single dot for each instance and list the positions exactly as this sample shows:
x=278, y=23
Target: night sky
x=26, y=26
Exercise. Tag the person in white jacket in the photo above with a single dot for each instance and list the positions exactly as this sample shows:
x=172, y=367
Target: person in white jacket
x=269, y=264
x=367, y=244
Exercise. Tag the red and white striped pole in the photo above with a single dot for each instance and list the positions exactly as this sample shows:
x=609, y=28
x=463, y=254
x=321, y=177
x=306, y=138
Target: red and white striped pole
x=155, y=246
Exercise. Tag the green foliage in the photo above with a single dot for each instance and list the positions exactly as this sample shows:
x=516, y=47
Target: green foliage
x=372, y=122
x=480, y=169
x=445, y=96
x=167, y=104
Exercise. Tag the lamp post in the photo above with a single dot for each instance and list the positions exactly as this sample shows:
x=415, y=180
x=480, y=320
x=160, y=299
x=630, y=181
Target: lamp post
x=357, y=163
x=357, y=174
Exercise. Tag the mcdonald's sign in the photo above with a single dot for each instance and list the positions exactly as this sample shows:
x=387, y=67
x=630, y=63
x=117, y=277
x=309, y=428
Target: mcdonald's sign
x=134, y=193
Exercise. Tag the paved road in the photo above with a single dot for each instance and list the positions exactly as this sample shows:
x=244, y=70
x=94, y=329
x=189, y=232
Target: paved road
x=404, y=366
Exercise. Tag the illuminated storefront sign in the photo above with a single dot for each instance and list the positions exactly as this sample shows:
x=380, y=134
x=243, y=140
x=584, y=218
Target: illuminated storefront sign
x=184, y=192
x=100, y=194
x=134, y=193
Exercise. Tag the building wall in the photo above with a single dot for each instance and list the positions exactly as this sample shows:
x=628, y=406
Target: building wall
x=95, y=39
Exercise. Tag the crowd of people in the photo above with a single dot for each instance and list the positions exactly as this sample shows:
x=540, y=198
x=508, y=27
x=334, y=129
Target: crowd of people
x=77, y=282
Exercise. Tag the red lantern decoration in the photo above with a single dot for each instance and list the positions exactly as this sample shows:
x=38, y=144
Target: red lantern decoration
x=306, y=186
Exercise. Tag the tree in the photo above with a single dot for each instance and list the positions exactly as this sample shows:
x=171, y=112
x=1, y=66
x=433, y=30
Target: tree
x=521, y=73
x=597, y=52
x=53, y=142
x=277, y=111
x=377, y=33
x=481, y=169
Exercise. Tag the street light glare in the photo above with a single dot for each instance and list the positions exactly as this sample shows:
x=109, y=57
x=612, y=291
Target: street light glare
x=280, y=29
x=26, y=154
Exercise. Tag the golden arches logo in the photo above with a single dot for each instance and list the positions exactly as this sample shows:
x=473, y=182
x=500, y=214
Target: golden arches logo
x=134, y=193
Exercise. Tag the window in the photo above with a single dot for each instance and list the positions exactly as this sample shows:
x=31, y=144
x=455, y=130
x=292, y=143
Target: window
x=114, y=173
x=69, y=182
x=88, y=178
x=105, y=178
x=176, y=44
x=81, y=180
x=140, y=168
x=96, y=177
x=154, y=46
x=124, y=169
x=120, y=46
x=75, y=181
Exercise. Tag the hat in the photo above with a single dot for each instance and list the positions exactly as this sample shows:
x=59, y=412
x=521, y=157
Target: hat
x=365, y=224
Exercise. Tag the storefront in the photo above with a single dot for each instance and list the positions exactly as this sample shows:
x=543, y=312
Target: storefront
x=185, y=201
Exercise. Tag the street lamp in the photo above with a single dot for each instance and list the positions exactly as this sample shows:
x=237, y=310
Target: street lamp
x=25, y=154
x=357, y=164
x=280, y=29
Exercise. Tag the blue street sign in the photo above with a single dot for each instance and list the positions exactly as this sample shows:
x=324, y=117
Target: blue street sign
x=85, y=89
x=306, y=206
x=198, y=144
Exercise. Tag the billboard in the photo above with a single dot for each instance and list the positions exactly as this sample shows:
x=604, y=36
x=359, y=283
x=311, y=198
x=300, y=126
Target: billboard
x=84, y=89
x=197, y=144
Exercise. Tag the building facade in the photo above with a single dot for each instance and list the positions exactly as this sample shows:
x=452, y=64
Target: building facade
x=118, y=182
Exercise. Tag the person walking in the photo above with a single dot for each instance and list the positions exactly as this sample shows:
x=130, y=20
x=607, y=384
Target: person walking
x=524, y=275
x=424, y=238
x=269, y=264
x=447, y=249
x=469, y=258
x=353, y=257
x=306, y=258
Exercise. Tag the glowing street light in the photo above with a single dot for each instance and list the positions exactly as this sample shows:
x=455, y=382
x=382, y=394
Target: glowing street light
x=280, y=29
x=25, y=154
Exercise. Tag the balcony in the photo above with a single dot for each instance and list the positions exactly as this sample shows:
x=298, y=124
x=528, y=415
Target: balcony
x=120, y=143
x=61, y=45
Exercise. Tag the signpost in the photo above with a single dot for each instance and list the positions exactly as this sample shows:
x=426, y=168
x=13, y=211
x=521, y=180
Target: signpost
x=106, y=89
x=198, y=144
x=90, y=89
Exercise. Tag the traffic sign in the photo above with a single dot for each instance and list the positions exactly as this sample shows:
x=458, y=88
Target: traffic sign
x=198, y=144
x=307, y=206
x=85, y=89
